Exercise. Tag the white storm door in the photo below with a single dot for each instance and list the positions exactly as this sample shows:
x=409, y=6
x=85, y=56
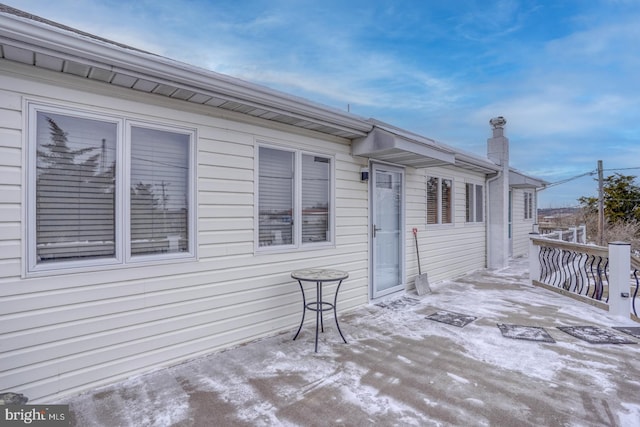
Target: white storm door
x=387, y=230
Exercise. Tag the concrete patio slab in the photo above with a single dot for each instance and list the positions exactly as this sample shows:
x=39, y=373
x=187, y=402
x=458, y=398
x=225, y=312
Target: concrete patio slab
x=400, y=368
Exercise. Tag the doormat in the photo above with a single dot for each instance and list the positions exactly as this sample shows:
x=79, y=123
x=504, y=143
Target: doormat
x=595, y=335
x=451, y=318
x=631, y=330
x=529, y=333
x=398, y=303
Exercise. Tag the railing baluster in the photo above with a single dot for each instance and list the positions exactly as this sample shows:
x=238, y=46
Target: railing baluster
x=635, y=293
x=606, y=276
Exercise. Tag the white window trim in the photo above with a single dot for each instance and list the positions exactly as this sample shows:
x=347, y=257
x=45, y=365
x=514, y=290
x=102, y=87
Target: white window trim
x=484, y=197
x=529, y=198
x=439, y=208
x=191, y=197
x=121, y=258
x=297, y=245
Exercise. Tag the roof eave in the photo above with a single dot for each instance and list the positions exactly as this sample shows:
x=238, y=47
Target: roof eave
x=49, y=40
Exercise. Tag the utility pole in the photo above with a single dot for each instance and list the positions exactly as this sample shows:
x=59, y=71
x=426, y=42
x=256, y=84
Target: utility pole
x=600, y=205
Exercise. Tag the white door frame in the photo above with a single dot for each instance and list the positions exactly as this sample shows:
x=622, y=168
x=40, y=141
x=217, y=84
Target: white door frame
x=373, y=252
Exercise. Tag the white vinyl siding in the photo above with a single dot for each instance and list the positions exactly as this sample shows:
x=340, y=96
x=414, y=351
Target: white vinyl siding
x=446, y=252
x=64, y=333
x=521, y=227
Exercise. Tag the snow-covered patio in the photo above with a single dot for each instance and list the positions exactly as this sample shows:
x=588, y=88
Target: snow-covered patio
x=401, y=368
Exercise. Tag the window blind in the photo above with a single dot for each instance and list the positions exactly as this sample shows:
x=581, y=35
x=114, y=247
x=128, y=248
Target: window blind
x=315, y=198
x=447, y=200
x=75, y=187
x=479, y=203
x=275, y=196
x=159, y=191
x=432, y=200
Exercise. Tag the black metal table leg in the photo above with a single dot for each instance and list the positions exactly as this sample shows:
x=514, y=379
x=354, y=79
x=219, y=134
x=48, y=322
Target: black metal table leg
x=304, y=310
x=335, y=311
x=318, y=309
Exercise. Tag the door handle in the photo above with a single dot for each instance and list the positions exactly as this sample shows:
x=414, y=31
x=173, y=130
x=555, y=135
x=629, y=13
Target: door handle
x=375, y=229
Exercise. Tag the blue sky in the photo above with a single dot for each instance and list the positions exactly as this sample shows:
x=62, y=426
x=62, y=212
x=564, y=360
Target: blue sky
x=564, y=73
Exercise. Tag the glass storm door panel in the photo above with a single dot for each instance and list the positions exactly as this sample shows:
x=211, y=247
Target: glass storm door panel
x=387, y=248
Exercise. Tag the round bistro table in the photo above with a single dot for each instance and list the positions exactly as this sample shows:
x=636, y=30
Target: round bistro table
x=319, y=276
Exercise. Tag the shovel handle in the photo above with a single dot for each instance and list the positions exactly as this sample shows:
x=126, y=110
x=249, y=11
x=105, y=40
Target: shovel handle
x=415, y=235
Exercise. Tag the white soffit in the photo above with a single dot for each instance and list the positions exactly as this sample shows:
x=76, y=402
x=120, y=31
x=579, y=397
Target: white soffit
x=386, y=146
x=519, y=180
x=35, y=41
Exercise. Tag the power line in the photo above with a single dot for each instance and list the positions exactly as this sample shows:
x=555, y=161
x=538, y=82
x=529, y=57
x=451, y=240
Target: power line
x=593, y=172
x=564, y=181
x=621, y=169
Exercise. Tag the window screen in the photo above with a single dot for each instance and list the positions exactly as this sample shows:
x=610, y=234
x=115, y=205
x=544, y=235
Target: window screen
x=275, y=200
x=447, y=201
x=75, y=188
x=315, y=198
x=432, y=200
x=159, y=191
x=439, y=200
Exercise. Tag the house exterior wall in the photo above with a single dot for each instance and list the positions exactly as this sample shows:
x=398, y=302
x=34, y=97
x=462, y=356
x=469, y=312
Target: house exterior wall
x=521, y=226
x=446, y=250
x=62, y=333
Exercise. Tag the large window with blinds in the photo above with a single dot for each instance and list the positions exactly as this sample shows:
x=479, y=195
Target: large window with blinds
x=105, y=190
x=294, y=199
x=439, y=200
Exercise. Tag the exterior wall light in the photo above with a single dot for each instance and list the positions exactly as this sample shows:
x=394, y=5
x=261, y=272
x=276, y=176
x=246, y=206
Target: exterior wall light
x=364, y=174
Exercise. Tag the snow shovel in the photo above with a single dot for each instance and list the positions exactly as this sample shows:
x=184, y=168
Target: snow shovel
x=422, y=282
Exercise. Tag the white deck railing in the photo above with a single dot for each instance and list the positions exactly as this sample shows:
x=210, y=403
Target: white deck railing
x=606, y=277
x=572, y=234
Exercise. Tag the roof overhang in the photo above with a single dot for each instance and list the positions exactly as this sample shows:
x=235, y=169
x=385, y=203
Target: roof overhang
x=385, y=145
x=41, y=43
x=476, y=164
x=518, y=179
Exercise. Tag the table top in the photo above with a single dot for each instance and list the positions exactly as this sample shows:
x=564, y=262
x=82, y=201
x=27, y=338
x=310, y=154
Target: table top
x=319, y=275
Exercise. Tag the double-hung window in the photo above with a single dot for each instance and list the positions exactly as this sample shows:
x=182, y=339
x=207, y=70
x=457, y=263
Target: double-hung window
x=528, y=205
x=105, y=190
x=474, y=202
x=439, y=200
x=294, y=198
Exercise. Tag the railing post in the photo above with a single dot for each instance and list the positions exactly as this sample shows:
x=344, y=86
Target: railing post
x=574, y=230
x=583, y=234
x=560, y=235
x=619, y=278
x=534, y=258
